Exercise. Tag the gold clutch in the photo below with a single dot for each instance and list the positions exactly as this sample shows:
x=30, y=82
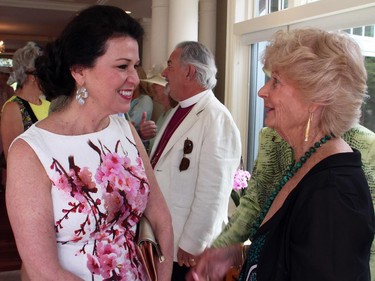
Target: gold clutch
x=148, y=248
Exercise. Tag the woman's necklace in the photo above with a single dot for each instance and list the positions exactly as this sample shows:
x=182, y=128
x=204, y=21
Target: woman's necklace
x=293, y=168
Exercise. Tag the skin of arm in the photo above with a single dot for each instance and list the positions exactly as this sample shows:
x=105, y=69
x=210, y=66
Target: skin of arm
x=11, y=125
x=158, y=214
x=29, y=206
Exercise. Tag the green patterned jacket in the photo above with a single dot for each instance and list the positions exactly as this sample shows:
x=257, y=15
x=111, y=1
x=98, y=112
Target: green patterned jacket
x=274, y=156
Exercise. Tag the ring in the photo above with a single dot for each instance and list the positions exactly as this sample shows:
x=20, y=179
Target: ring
x=192, y=260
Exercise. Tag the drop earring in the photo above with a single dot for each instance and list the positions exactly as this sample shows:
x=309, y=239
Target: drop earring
x=307, y=132
x=81, y=95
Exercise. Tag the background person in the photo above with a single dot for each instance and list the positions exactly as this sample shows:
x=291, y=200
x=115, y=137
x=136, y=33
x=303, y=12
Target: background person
x=87, y=174
x=195, y=154
x=28, y=105
x=6, y=92
x=161, y=96
x=141, y=106
x=318, y=222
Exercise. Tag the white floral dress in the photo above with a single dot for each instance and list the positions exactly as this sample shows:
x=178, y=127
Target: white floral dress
x=99, y=191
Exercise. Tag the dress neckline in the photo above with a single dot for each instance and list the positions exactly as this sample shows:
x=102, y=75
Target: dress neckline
x=110, y=124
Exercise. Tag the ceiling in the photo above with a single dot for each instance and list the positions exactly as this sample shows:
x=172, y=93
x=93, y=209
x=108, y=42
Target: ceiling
x=42, y=20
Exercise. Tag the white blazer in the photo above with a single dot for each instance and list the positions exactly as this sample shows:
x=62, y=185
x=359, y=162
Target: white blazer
x=198, y=197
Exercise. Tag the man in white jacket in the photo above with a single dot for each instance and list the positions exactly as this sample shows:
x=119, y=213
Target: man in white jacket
x=195, y=154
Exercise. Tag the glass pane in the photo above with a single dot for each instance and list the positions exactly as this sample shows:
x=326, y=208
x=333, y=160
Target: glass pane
x=256, y=106
x=357, y=31
x=258, y=79
x=368, y=110
x=285, y=4
x=365, y=38
x=274, y=6
x=369, y=31
x=262, y=10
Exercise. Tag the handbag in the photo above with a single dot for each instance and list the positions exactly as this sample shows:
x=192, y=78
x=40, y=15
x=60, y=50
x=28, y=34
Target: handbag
x=148, y=248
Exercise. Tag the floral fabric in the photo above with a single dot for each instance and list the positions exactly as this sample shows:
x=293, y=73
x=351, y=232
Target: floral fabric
x=99, y=192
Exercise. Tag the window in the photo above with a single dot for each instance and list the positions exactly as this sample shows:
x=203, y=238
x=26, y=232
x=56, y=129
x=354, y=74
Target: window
x=245, y=48
x=270, y=6
x=365, y=37
x=256, y=119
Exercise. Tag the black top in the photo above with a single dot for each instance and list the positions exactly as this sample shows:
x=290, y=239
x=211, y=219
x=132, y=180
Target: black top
x=324, y=229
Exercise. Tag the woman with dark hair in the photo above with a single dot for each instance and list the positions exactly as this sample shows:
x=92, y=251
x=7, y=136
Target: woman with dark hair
x=80, y=180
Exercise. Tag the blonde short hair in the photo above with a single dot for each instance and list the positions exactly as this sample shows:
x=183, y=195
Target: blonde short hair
x=328, y=69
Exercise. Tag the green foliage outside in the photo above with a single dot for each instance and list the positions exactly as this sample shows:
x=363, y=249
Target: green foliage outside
x=368, y=110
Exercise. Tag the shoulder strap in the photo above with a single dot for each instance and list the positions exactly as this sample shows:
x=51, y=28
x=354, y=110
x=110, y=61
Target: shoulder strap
x=29, y=110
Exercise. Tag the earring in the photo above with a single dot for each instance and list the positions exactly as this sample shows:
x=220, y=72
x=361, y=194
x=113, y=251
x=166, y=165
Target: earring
x=81, y=95
x=307, y=132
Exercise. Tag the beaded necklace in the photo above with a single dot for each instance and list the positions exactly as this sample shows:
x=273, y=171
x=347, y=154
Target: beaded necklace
x=293, y=168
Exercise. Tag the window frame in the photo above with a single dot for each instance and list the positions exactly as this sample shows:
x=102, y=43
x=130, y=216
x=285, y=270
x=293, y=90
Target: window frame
x=242, y=35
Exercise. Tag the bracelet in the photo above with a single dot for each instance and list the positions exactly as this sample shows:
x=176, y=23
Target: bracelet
x=244, y=250
x=242, y=257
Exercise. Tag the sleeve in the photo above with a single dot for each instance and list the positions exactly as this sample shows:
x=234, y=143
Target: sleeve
x=363, y=139
x=368, y=160
x=238, y=228
x=332, y=230
x=219, y=159
x=273, y=156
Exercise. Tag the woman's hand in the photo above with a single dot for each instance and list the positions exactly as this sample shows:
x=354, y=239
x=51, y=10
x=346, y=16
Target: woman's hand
x=214, y=263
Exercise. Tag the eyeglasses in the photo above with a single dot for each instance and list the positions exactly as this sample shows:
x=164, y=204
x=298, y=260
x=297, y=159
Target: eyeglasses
x=188, y=148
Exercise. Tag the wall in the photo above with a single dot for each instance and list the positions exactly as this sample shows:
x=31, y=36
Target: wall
x=220, y=55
